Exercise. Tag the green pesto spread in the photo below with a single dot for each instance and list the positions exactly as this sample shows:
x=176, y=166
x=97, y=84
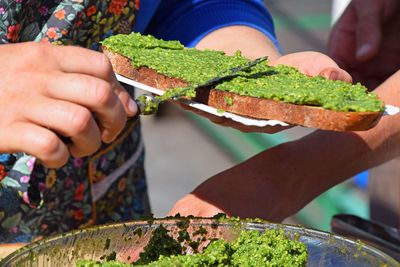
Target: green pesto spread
x=282, y=83
x=150, y=106
x=251, y=248
x=229, y=100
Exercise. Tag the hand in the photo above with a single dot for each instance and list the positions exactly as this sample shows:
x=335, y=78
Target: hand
x=7, y=249
x=365, y=40
x=243, y=191
x=47, y=89
x=309, y=63
x=194, y=205
x=313, y=64
x=267, y=186
x=278, y=182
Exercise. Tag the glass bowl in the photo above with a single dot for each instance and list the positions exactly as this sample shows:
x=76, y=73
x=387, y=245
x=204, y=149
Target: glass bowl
x=128, y=239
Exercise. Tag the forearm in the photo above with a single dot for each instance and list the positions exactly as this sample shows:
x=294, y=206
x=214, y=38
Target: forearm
x=324, y=159
x=280, y=181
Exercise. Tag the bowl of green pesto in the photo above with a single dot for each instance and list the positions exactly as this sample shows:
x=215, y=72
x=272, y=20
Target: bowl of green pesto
x=186, y=241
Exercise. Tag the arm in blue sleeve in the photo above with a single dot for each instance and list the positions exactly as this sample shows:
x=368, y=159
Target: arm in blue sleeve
x=190, y=20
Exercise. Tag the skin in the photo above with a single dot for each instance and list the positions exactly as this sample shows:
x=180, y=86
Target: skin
x=233, y=38
x=368, y=48
x=275, y=183
x=280, y=181
x=73, y=115
x=367, y=36
x=49, y=89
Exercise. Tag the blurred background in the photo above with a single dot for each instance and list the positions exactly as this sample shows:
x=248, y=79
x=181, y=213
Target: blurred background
x=182, y=149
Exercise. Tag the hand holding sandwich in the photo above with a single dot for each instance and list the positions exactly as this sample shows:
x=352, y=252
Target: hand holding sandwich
x=280, y=181
x=233, y=38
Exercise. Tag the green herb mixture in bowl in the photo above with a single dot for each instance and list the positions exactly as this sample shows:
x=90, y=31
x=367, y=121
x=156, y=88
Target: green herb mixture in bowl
x=124, y=242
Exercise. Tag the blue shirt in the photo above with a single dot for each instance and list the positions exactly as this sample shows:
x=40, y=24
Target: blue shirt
x=186, y=20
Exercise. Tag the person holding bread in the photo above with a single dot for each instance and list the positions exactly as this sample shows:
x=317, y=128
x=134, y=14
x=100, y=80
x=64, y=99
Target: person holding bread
x=68, y=158
x=280, y=181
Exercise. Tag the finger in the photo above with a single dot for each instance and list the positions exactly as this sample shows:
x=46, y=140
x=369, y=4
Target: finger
x=36, y=141
x=342, y=39
x=368, y=30
x=334, y=74
x=96, y=64
x=70, y=120
x=128, y=103
x=91, y=62
x=95, y=94
x=193, y=205
x=308, y=62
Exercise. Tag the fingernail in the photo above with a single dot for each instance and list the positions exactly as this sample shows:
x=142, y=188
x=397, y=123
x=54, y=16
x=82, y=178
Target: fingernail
x=132, y=105
x=363, y=50
x=333, y=76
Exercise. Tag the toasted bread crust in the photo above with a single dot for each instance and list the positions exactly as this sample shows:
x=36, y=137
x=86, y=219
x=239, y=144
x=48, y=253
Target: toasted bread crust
x=258, y=108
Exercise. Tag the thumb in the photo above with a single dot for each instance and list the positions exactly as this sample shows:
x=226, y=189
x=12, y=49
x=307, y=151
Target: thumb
x=333, y=73
x=368, y=29
x=127, y=101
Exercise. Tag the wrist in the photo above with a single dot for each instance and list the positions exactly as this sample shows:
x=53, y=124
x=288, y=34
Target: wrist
x=315, y=163
x=384, y=138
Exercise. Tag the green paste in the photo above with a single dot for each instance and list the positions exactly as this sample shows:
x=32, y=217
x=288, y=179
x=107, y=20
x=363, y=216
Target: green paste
x=229, y=100
x=251, y=248
x=282, y=83
x=160, y=244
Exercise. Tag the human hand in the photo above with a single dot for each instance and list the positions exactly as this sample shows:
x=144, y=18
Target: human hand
x=365, y=40
x=195, y=206
x=7, y=249
x=47, y=89
x=313, y=64
x=261, y=187
x=309, y=63
x=279, y=181
x=246, y=198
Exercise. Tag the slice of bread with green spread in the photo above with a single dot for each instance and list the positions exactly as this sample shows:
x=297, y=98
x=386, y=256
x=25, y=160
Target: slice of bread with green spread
x=261, y=92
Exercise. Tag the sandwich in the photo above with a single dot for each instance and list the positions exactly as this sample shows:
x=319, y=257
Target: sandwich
x=260, y=92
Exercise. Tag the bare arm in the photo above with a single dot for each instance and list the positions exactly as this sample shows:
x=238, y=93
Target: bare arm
x=280, y=181
x=250, y=41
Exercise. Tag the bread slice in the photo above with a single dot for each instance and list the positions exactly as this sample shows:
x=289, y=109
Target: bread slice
x=253, y=107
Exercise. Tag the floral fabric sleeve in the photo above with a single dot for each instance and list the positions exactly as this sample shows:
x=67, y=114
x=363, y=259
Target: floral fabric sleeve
x=17, y=177
x=37, y=201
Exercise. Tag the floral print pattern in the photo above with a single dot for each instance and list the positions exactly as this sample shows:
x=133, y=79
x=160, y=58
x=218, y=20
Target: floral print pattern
x=37, y=201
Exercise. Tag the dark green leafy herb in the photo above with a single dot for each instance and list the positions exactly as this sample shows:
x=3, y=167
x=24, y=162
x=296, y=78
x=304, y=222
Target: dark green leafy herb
x=160, y=244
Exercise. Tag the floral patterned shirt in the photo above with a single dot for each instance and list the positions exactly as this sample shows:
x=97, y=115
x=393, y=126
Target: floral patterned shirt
x=108, y=186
